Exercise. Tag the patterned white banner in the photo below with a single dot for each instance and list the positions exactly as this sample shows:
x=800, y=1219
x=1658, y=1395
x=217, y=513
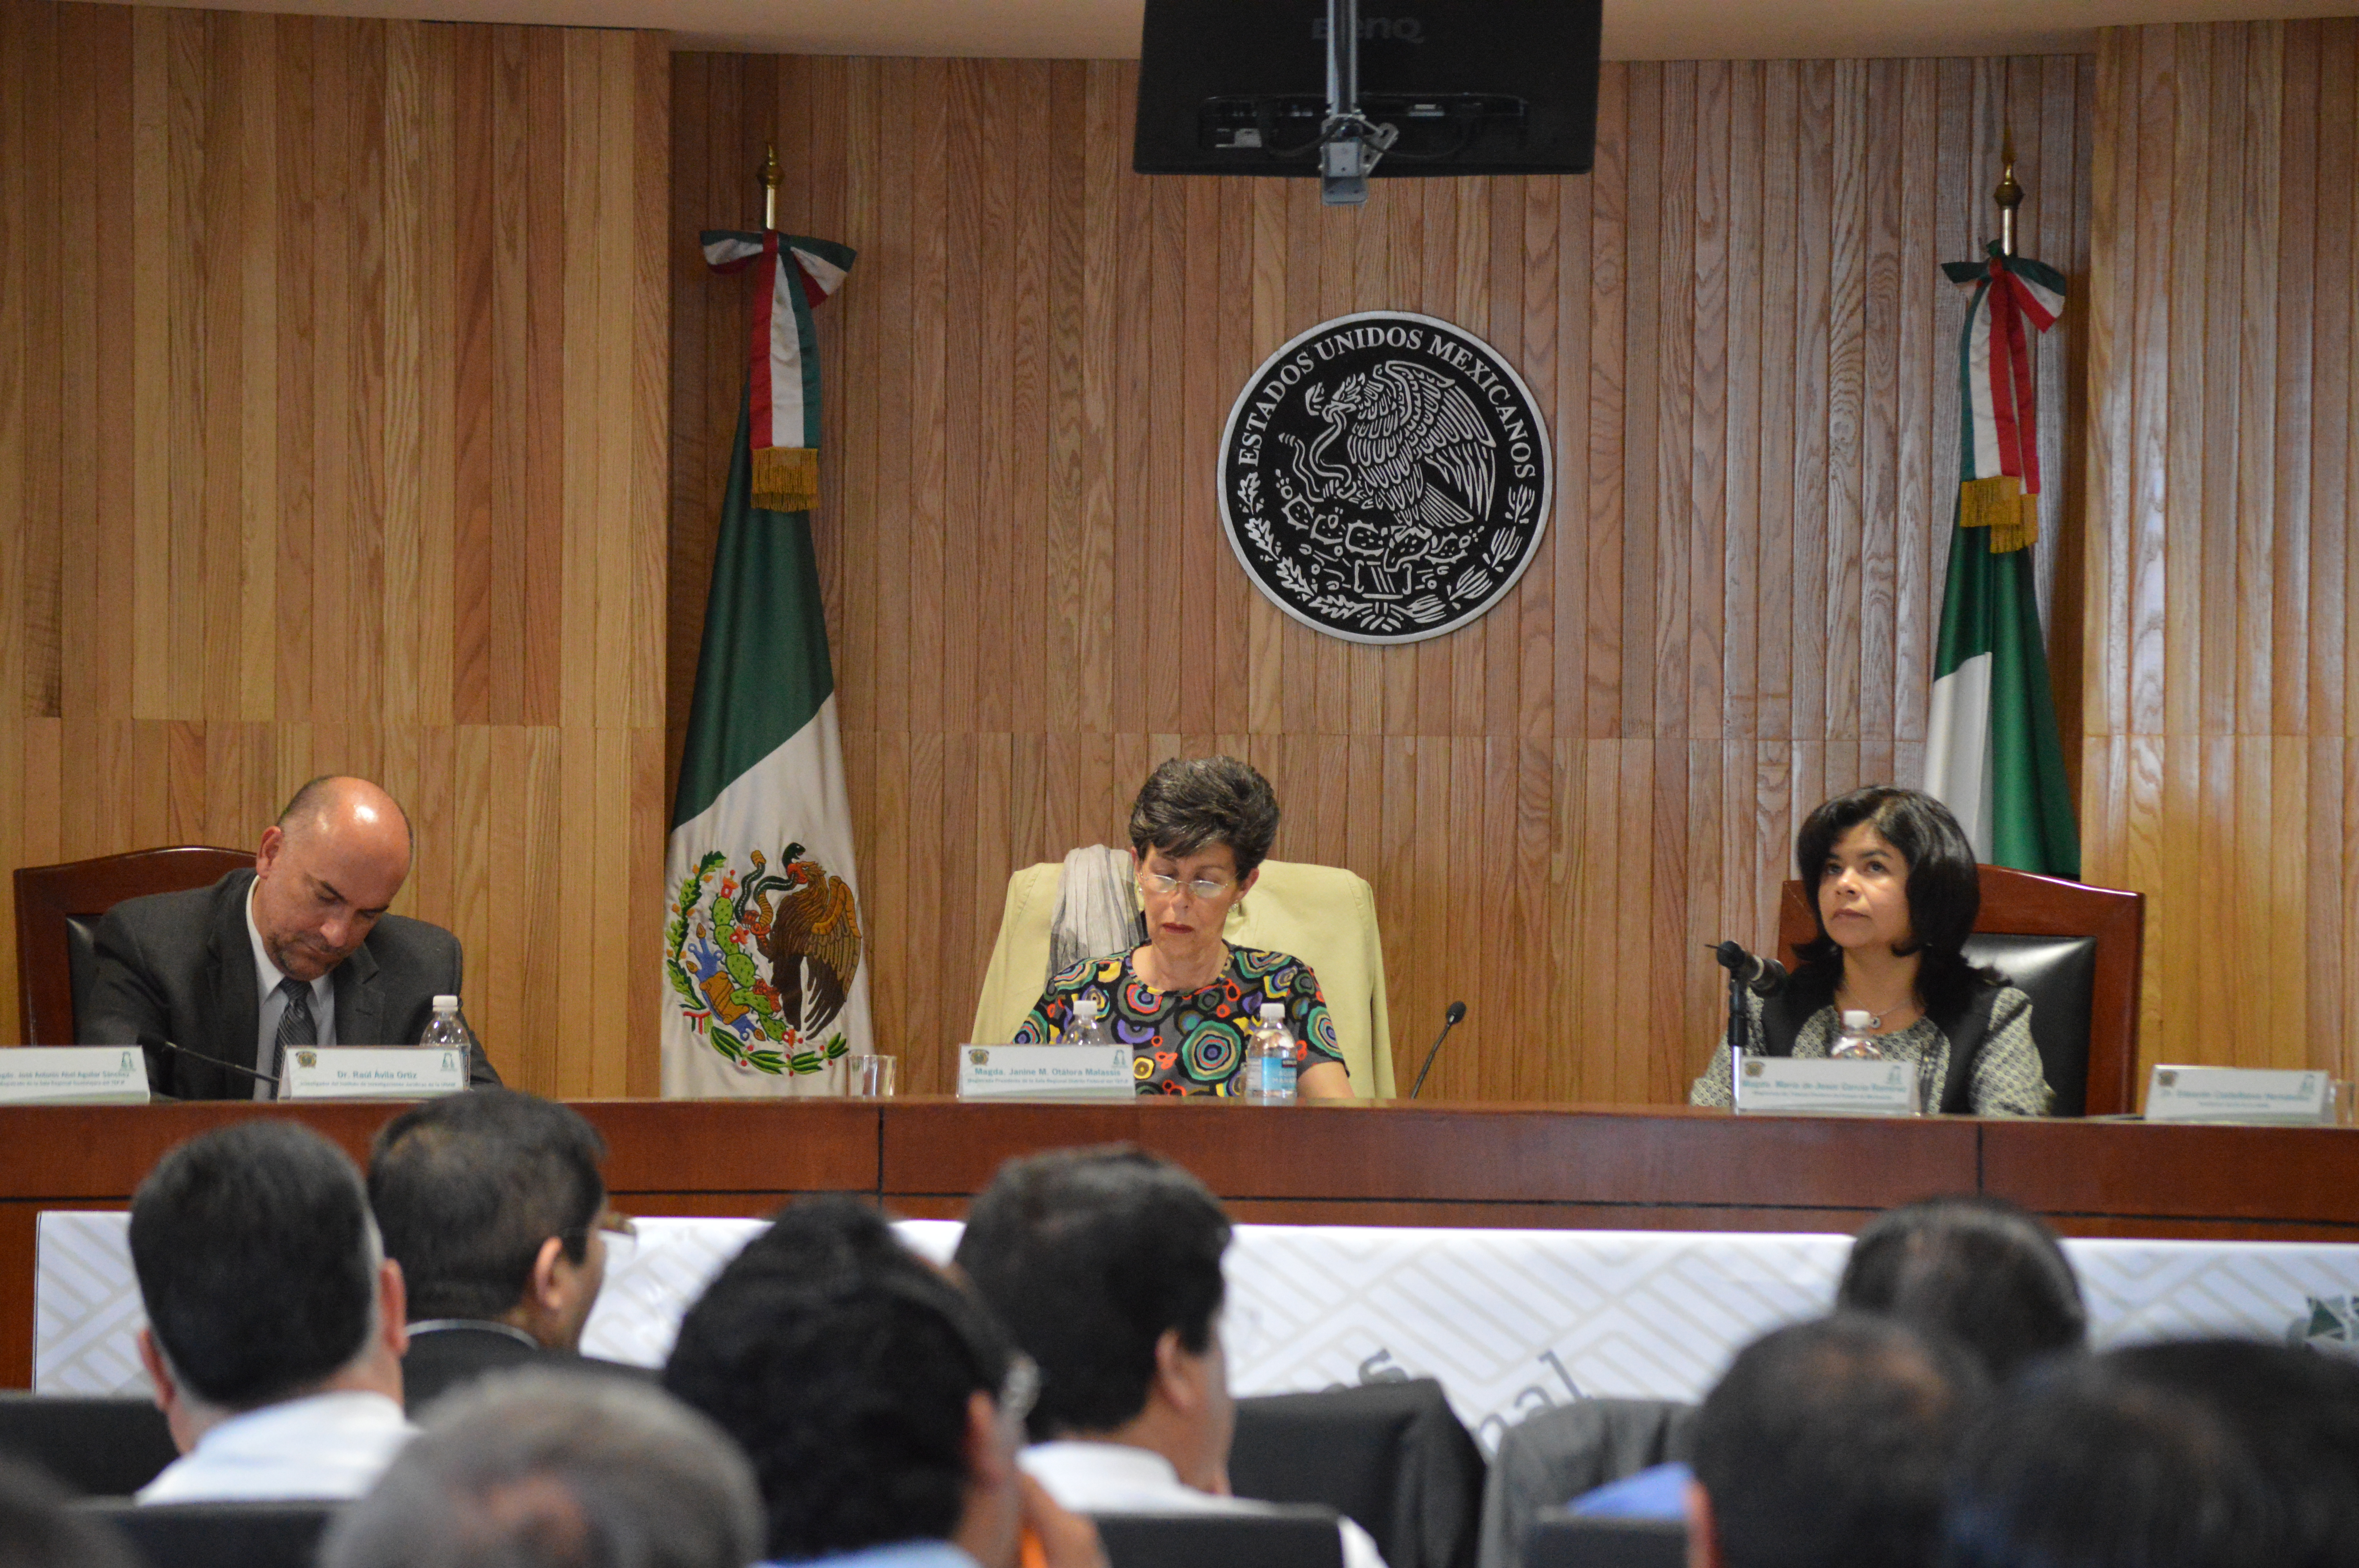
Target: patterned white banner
x=1510, y=1321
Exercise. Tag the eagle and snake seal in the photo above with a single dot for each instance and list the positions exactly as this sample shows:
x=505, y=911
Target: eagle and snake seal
x=1384, y=477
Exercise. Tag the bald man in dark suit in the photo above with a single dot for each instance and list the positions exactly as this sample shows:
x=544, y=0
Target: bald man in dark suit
x=299, y=951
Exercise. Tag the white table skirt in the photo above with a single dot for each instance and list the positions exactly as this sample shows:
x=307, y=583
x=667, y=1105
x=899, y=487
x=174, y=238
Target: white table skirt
x=1510, y=1321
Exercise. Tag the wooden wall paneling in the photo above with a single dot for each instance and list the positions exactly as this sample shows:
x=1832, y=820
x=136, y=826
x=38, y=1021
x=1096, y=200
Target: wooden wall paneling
x=1916, y=508
x=2215, y=720
x=1736, y=329
x=2330, y=498
x=321, y=460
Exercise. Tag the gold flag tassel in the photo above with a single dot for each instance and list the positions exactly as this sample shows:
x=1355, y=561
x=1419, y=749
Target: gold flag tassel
x=785, y=479
x=1998, y=505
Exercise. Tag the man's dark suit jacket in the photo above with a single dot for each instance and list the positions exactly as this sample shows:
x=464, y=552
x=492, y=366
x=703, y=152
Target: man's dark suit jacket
x=180, y=967
x=448, y=1358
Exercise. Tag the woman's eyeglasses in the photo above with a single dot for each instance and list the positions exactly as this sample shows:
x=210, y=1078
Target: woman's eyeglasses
x=1203, y=889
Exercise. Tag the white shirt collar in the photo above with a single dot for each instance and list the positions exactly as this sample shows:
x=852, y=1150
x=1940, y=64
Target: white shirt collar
x=1117, y=1479
x=323, y=1446
x=1084, y=1476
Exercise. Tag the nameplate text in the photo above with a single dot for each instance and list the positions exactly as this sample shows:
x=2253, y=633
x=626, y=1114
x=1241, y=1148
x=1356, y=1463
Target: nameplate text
x=373, y=1072
x=1815, y=1087
x=1046, y=1071
x=2261, y=1096
x=73, y=1075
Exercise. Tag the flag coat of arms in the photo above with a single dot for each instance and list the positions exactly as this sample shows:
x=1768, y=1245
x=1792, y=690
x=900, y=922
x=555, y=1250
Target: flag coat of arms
x=766, y=984
x=1992, y=752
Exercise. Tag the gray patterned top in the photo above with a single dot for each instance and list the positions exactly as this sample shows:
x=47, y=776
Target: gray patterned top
x=2007, y=1081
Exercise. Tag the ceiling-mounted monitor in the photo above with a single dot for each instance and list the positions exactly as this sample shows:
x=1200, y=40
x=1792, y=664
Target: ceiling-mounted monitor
x=1472, y=86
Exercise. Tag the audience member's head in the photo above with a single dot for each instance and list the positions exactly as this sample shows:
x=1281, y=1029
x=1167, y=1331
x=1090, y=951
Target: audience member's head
x=1105, y=1264
x=37, y=1530
x=543, y=1469
x=1979, y=1269
x=490, y=1202
x=1827, y=1443
x=2207, y=1454
x=262, y=1274
x=877, y=1396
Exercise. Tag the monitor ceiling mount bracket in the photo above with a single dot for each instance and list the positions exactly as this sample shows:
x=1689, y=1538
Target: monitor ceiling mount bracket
x=1349, y=141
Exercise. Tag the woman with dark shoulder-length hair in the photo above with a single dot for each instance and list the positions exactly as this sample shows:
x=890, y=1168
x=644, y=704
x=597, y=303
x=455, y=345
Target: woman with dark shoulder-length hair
x=1895, y=891
x=1186, y=1002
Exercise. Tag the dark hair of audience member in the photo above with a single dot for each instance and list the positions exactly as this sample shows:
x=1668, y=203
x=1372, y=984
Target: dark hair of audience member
x=37, y=1530
x=1979, y=1269
x=1827, y=1443
x=468, y=1188
x=1090, y=1256
x=2203, y=1453
x=843, y=1363
x=543, y=1469
x=258, y=1261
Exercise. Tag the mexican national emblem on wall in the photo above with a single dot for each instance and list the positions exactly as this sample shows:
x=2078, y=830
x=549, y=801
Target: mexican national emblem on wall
x=1384, y=477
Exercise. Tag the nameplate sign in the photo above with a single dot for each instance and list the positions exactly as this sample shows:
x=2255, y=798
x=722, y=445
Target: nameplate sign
x=73, y=1075
x=1816, y=1087
x=2264, y=1097
x=373, y=1072
x=1046, y=1071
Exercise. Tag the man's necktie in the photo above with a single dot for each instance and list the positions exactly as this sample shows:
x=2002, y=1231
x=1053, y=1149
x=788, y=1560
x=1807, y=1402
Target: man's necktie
x=296, y=1027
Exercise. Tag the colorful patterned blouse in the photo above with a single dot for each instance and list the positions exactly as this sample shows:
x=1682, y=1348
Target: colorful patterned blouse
x=1188, y=1043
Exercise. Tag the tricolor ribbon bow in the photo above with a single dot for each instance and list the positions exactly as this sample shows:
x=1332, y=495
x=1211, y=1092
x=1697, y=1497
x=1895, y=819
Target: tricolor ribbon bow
x=2000, y=474
x=782, y=373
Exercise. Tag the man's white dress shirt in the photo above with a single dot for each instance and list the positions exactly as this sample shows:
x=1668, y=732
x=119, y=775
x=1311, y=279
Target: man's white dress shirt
x=1116, y=1478
x=326, y=1446
x=267, y=978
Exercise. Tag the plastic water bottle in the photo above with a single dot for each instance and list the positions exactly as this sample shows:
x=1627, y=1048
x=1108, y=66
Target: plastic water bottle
x=1089, y=1025
x=446, y=1030
x=1271, y=1063
x=1853, y=1041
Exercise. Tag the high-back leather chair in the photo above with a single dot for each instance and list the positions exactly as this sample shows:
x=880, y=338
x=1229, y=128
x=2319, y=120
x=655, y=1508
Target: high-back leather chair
x=1392, y=1455
x=218, y=1535
x=2074, y=950
x=100, y=1447
x=58, y=912
x=1561, y=1540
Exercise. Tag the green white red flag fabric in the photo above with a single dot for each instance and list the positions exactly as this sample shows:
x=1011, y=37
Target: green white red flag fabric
x=765, y=985
x=791, y=276
x=1993, y=753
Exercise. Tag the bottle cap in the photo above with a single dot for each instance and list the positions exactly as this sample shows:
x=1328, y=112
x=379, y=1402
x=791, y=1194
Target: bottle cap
x=1272, y=1013
x=1858, y=1022
x=446, y=1004
x=1085, y=1007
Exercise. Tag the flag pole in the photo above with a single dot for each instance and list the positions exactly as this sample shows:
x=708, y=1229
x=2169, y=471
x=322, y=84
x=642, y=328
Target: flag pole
x=770, y=186
x=2009, y=196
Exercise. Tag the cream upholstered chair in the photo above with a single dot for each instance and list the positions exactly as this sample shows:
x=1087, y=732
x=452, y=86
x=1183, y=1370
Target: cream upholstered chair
x=1321, y=915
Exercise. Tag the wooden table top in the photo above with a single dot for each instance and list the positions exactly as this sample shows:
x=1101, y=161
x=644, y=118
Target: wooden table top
x=1605, y=1167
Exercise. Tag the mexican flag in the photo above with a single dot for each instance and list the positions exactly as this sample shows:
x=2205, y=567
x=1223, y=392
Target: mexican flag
x=765, y=985
x=1992, y=750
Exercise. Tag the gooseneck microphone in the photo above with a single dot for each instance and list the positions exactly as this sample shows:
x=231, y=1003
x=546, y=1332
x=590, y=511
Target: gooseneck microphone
x=148, y=1040
x=1765, y=978
x=1449, y=1021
